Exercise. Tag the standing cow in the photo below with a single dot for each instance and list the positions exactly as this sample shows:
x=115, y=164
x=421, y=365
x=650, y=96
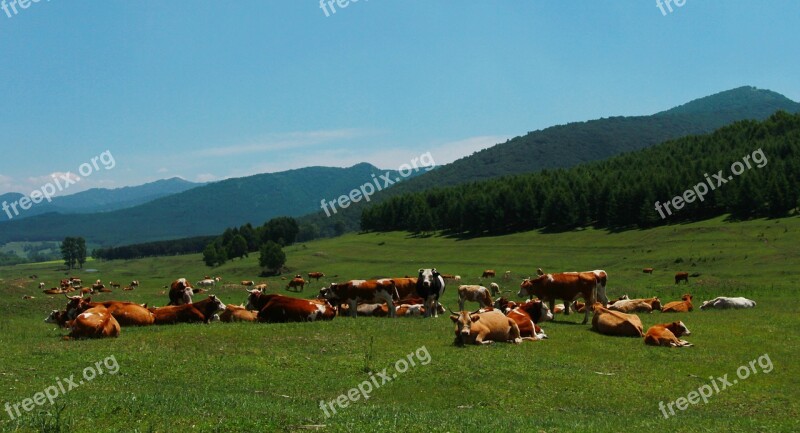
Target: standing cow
x=566, y=286
x=430, y=286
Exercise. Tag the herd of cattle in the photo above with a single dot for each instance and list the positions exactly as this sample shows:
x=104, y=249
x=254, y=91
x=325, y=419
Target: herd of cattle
x=495, y=320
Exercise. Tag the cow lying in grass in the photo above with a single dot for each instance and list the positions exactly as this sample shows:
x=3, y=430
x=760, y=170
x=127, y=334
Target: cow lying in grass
x=610, y=322
x=682, y=306
x=723, y=303
x=666, y=335
x=484, y=328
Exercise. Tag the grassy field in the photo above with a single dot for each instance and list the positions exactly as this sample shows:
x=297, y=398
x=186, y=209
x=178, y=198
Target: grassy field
x=258, y=377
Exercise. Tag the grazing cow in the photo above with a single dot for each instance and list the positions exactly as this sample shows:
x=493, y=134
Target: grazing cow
x=610, y=322
x=637, y=305
x=723, y=303
x=237, y=313
x=366, y=291
x=134, y=283
x=58, y=317
x=126, y=313
x=473, y=293
x=489, y=273
x=484, y=328
x=248, y=283
x=296, y=282
x=430, y=286
x=41, y=285
x=648, y=271
x=277, y=308
x=206, y=283
x=682, y=276
x=682, y=306
x=315, y=275
x=527, y=316
x=507, y=276
x=566, y=286
x=114, y=285
x=96, y=322
x=180, y=292
x=202, y=311
x=666, y=334
x=494, y=288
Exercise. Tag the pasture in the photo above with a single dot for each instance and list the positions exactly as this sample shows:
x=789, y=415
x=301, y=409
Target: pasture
x=272, y=377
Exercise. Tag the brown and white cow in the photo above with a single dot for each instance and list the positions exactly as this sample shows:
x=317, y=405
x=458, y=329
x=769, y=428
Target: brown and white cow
x=114, y=285
x=315, y=275
x=41, y=285
x=648, y=271
x=202, y=311
x=96, y=322
x=636, y=305
x=484, y=328
x=405, y=287
x=126, y=313
x=666, y=334
x=296, y=282
x=366, y=291
x=58, y=317
x=489, y=273
x=473, y=293
x=682, y=276
x=601, y=278
x=237, y=313
x=134, y=284
x=494, y=289
x=682, y=306
x=566, y=286
x=610, y=322
x=275, y=308
x=527, y=317
x=180, y=292
x=248, y=283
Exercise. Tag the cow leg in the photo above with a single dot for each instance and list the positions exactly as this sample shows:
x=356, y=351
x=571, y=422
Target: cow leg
x=567, y=305
x=389, y=303
x=460, y=303
x=353, y=306
x=586, y=309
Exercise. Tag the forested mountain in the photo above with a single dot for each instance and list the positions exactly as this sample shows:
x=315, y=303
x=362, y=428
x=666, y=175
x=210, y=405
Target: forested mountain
x=205, y=210
x=748, y=169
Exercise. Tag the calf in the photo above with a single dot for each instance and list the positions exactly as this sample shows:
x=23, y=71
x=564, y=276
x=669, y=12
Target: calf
x=637, y=305
x=682, y=306
x=566, y=286
x=682, y=276
x=610, y=322
x=723, y=303
x=666, y=334
x=202, y=311
x=96, y=322
x=473, y=293
x=484, y=328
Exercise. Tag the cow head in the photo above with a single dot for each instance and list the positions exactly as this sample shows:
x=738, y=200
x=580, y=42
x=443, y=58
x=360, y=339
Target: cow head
x=328, y=293
x=679, y=329
x=656, y=304
x=76, y=305
x=216, y=305
x=538, y=311
x=54, y=316
x=184, y=296
x=464, y=321
x=687, y=297
x=528, y=285
x=252, y=299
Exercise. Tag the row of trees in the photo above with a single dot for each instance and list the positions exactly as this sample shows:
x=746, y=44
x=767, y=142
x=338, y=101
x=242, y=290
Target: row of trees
x=73, y=251
x=620, y=192
x=238, y=242
x=154, y=249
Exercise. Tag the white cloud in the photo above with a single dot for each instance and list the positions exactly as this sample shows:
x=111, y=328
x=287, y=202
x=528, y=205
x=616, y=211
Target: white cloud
x=205, y=177
x=283, y=141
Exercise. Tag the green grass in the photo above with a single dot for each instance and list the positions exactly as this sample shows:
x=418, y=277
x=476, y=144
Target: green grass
x=258, y=377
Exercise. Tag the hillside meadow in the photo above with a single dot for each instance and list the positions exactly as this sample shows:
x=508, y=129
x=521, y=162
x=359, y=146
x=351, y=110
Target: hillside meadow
x=272, y=377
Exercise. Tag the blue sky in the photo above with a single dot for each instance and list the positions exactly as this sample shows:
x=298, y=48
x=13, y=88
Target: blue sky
x=207, y=90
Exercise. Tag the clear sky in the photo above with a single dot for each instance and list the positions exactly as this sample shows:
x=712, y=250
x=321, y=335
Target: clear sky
x=207, y=90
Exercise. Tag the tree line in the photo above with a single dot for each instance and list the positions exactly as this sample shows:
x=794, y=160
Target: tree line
x=153, y=249
x=617, y=193
x=238, y=242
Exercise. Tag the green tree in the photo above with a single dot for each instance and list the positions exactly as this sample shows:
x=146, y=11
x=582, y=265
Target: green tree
x=80, y=251
x=238, y=247
x=210, y=254
x=272, y=257
x=69, y=251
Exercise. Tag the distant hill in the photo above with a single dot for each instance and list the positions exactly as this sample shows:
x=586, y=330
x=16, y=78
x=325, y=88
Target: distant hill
x=576, y=143
x=103, y=199
x=204, y=210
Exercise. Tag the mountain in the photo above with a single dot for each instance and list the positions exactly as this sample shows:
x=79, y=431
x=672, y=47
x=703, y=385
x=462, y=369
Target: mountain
x=204, y=210
x=104, y=199
x=565, y=146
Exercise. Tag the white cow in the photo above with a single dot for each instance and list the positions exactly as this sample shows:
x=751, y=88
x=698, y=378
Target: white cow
x=206, y=283
x=723, y=302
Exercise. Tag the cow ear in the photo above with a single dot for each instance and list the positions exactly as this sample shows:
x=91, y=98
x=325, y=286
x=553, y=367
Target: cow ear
x=474, y=317
x=454, y=318
x=421, y=270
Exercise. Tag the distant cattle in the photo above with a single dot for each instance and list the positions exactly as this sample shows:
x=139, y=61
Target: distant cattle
x=430, y=286
x=489, y=273
x=54, y=291
x=41, y=285
x=648, y=271
x=448, y=278
x=366, y=291
x=610, y=322
x=236, y=313
x=248, y=283
x=507, y=275
x=296, y=282
x=206, y=283
x=682, y=276
x=637, y=305
x=180, y=292
x=723, y=303
x=566, y=286
x=134, y=284
x=114, y=285
x=484, y=328
x=473, y=293
x=277, y=308
x=96, y=322
x=197, y=312
x=682, y=306
x=666, y=334
x=494, y=289
x=315, y=275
